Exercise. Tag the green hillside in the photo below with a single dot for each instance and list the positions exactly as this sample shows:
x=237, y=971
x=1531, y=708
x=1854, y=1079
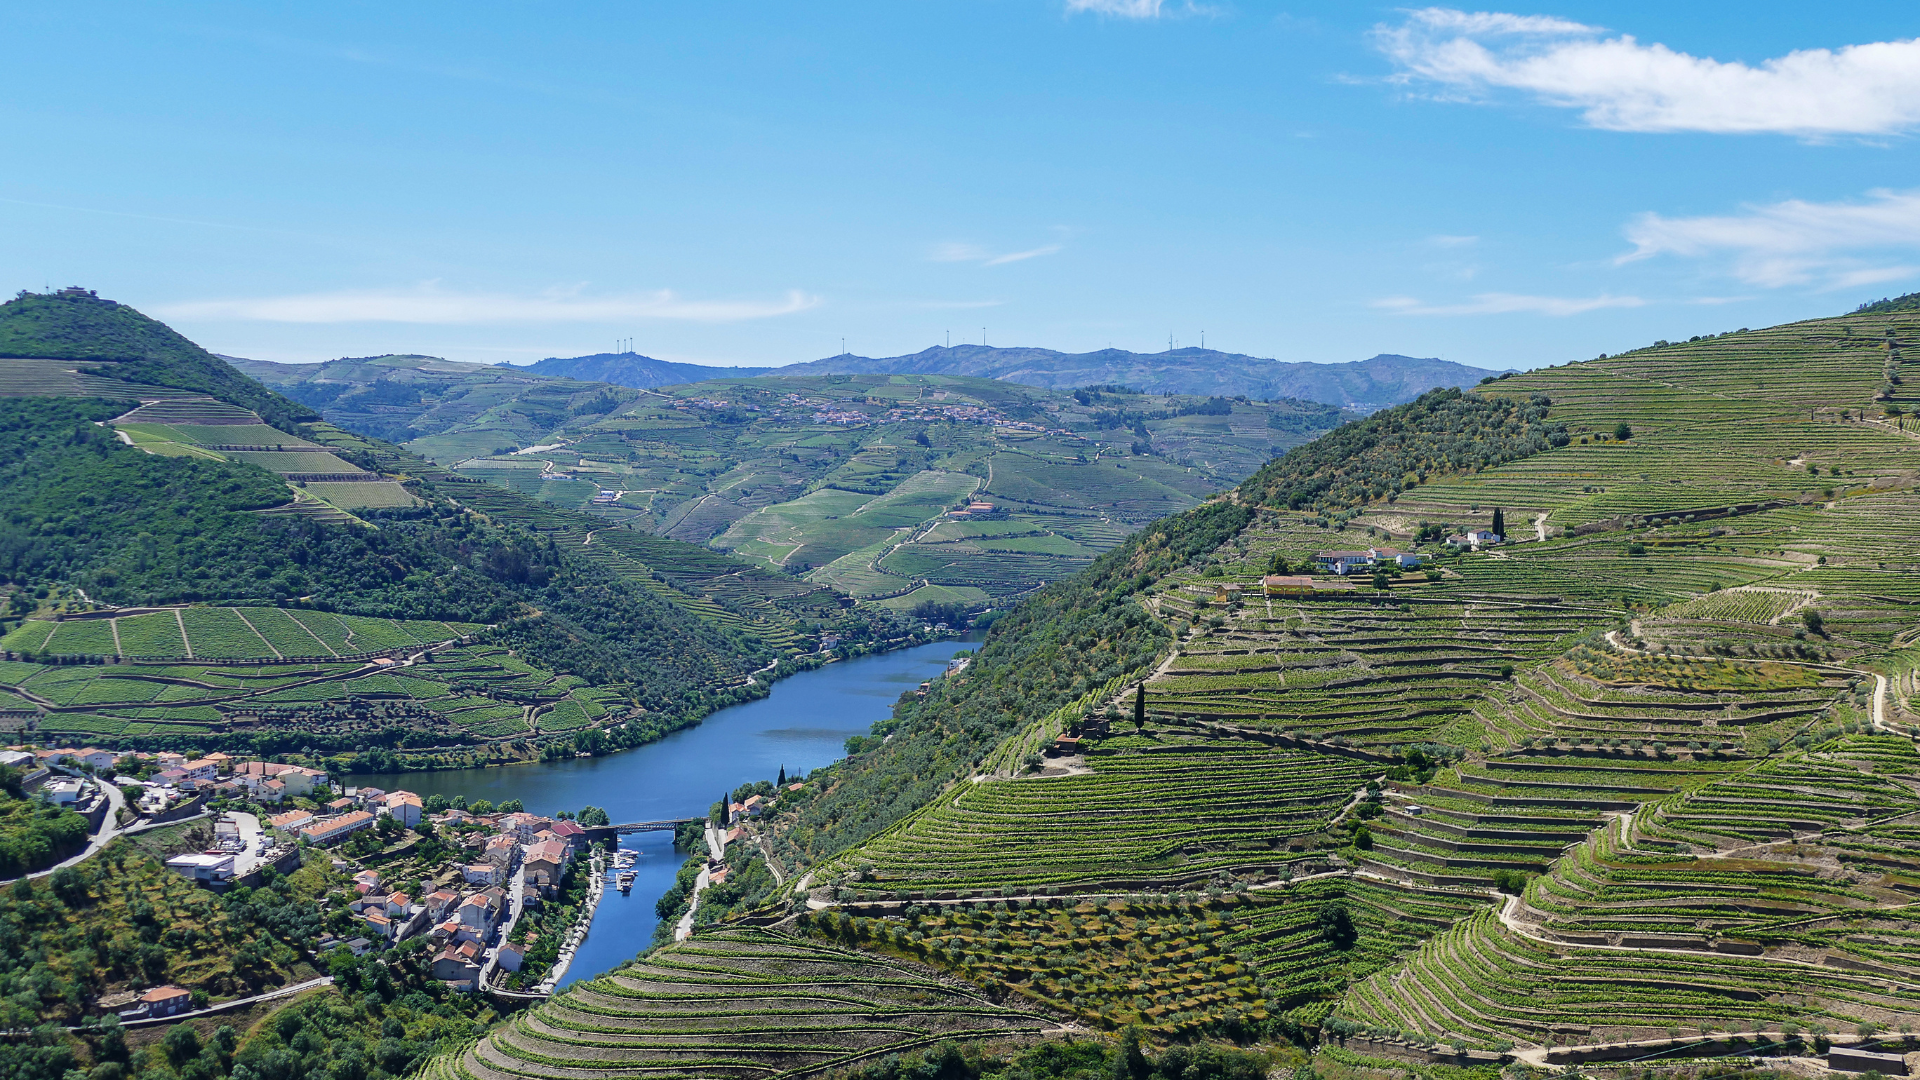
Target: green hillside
x=242, y=538
x=116, y=342
x=1641, y=777
x=845, y=480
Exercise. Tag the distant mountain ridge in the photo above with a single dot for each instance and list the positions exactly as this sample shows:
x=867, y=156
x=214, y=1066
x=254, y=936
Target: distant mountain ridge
x=637, y=371
x=1376, y=383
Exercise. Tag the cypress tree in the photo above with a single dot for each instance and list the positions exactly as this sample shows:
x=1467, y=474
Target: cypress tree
x=1499, y=522
x=782, y=782
x=1140, y=705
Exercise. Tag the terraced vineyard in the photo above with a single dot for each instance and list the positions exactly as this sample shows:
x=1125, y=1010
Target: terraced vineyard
x=286, y=674
x=231, y=633
x=738, y=1004
x=1647, y=770
x=1172, y=960
x=1165, y=809
x=842, y=480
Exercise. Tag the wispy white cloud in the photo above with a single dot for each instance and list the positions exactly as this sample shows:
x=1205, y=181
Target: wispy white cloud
x=430, y=304
x=1452, y=241
x=1140, y=9
x=1125, y=9
x=1622, y=85
x=957, y=251
x=1508, y=304
x=1835, y=244
x=954, y=251
x=1022, y=256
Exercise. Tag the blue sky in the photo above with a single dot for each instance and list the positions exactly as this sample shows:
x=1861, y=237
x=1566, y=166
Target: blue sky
x=732, y=183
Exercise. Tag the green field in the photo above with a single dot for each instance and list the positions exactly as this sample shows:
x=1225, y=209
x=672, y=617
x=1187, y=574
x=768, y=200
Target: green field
x=361, y=496
x=466, y=694
x=228, y=634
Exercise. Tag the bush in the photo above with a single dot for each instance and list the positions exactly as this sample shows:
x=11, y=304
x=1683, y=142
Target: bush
x=1511, y=881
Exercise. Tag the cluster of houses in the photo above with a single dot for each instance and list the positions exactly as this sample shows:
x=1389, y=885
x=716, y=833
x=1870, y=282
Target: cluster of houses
x=462, y=920
x=67, y=792
x=216, y=774
x=1346, y=562
x=354, y=812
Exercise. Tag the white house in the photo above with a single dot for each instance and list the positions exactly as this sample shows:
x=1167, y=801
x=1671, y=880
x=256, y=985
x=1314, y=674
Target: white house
x=65, y=791
x=1474, y=538
x=1343, y=562
x=1403, y=559
x=202, y=867
x=404, y=807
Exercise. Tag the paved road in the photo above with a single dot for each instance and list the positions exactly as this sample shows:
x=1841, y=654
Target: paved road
x=249, y=858
x=517, y=904
x=109, y=829
x=228, y=1006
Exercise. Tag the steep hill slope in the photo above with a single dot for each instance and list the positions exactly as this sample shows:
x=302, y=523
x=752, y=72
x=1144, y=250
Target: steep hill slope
x=846, y=479
x=118, y=342
x=542, y=638
x=1647, y=768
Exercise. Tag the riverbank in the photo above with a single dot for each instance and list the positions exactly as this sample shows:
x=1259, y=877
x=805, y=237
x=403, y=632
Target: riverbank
x=801, y=726
x=626, y=730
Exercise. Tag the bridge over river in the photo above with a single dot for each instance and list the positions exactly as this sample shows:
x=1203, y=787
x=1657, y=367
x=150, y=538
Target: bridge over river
x=604, y=832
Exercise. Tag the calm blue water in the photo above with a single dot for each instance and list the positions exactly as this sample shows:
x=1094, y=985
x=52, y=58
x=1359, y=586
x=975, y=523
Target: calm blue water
x=802, y=725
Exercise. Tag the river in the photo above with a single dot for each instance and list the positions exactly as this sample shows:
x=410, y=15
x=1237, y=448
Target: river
x=802, y=725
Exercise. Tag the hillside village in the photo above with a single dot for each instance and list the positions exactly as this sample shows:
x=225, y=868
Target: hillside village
x=486, y=891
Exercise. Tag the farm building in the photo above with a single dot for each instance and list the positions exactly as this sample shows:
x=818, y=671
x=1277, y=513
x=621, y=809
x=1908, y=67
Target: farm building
x=1474, y=538
x=160, y=1001
x=1286, y=584
x=1343, y=562
x=1404, y=559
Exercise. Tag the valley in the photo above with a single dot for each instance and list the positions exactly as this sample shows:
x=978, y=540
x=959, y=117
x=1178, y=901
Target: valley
x=1635, y=784
x=857, y=482
x=1566, y=718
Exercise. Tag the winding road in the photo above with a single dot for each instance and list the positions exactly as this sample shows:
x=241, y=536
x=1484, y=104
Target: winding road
x=109, y=830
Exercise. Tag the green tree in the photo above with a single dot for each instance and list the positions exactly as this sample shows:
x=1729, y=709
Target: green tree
x=593, y=817
x=1622, y=431
x=1335, y=924
x=182, y=1044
